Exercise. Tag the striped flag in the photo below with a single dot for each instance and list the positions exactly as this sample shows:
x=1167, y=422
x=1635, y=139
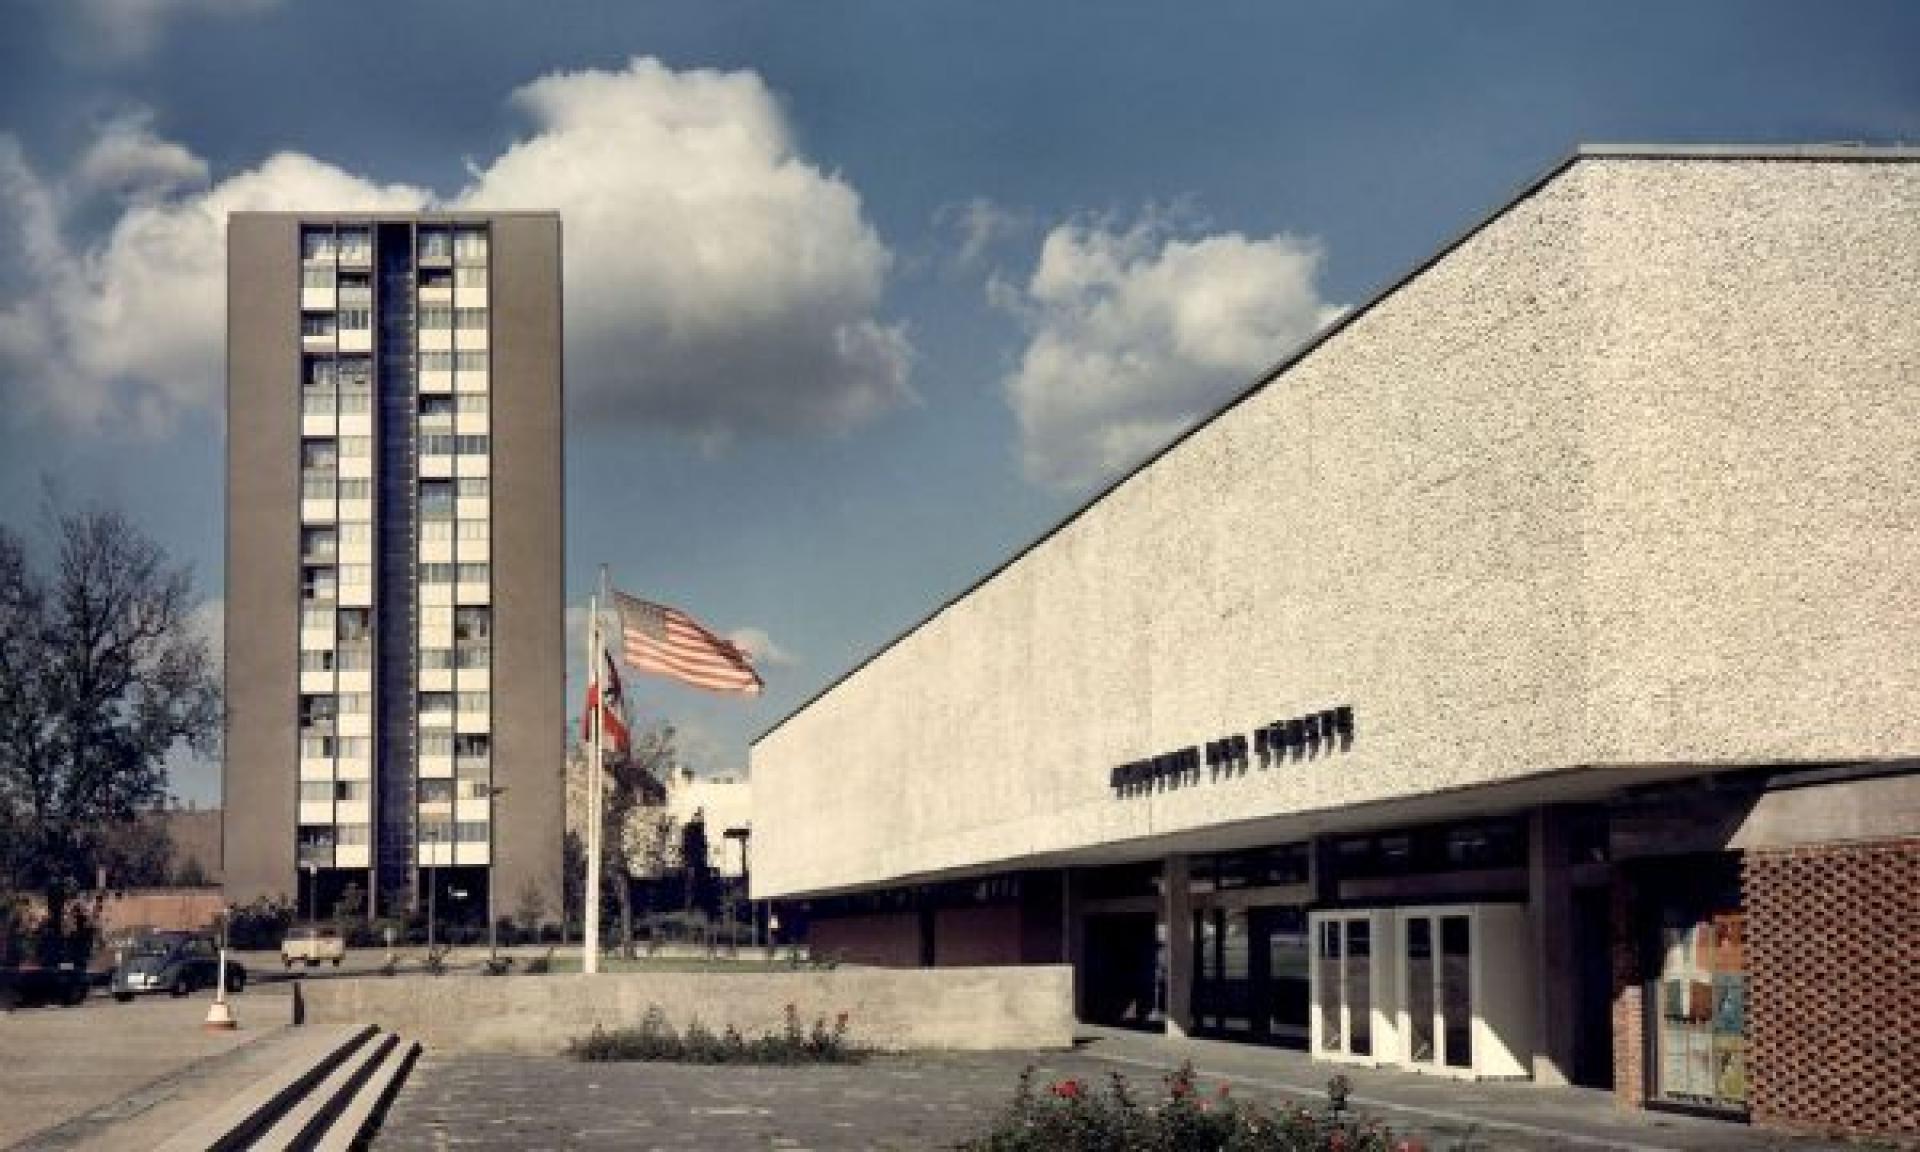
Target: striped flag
x=667, y=641
x=617, y=737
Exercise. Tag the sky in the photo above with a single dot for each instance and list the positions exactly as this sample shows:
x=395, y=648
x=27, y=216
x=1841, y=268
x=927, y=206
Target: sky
x=861, y=297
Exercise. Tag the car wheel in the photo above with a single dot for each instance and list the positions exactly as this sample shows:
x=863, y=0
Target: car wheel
x=123, y=997
x=236, y=981
x=181, y=986
x=336, y=961
x=287, y=962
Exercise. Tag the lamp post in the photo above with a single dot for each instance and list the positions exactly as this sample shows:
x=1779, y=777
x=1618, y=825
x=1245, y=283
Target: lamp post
x=433, y=887
x=312, y=869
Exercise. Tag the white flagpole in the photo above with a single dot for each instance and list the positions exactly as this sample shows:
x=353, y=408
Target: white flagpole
x=590, y=937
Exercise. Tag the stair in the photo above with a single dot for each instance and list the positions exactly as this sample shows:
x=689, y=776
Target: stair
x=329, y=1095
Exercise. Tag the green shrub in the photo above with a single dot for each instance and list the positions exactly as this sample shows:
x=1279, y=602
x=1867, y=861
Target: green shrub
x=1073, y=1116
x=655, y=1039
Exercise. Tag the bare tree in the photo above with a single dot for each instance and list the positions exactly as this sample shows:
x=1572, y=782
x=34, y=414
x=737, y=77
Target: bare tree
x=634, y=781
x=101, y=675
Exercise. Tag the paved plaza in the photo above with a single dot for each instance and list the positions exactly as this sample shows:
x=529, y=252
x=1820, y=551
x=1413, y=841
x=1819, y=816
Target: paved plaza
x=66, y=1073
x=484, y=1102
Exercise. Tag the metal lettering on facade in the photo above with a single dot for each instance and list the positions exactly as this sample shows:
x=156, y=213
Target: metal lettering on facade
x=1299, y=737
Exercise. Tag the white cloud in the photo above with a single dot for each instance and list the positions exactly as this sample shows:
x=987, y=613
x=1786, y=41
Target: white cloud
x=760, y=647
x=127, y=159
x=717, y=282
x=124, y=29
x=1136, y=332
x=128, y=330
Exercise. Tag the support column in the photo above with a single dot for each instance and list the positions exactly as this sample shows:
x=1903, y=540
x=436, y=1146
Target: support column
x=1176, y=905
x=1073, y=942
x=1550, y=911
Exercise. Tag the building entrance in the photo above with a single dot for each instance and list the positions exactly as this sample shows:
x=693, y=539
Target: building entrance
x=1250, y=973
x=1122, y=970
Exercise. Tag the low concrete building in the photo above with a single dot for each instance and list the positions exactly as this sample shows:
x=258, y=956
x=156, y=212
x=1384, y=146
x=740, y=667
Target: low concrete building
x=1523, y=679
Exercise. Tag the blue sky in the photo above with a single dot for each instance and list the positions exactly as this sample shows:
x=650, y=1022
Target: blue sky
x=862, y=296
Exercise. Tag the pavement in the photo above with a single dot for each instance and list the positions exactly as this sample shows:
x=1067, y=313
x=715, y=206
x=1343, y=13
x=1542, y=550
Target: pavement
x=112, y=1076
x=480, y=1102
x=68, y=1073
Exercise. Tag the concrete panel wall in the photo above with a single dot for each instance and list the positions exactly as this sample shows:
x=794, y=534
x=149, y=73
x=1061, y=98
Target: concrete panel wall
x=1491, y=515
x=529, y=642
x=895, y=1010
x=259, y=780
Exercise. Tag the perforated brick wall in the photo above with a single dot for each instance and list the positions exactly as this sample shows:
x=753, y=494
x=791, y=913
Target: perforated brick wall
x=1834, y=955
x=1629, y=1008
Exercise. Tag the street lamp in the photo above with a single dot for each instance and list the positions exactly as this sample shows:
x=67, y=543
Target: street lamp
x=433, y=887
x=312, y=869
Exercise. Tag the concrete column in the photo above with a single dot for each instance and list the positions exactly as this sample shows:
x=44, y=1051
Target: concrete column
x=1550, y=911
x=1073, y=941
x=1176, y=904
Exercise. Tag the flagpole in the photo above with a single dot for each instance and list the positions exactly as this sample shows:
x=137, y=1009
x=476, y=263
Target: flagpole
x=590, y=936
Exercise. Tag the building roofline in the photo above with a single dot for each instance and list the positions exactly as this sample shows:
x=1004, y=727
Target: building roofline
x=319, y=214
x=1525, y=192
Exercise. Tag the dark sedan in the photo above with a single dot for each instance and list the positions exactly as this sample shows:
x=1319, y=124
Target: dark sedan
x=178, y=963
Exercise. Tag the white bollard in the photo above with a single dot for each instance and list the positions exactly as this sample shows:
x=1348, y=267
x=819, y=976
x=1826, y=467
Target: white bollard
x=219, y=1016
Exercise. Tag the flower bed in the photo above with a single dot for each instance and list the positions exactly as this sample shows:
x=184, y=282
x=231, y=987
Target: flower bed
x=655, y=1039
x=1074, y=1116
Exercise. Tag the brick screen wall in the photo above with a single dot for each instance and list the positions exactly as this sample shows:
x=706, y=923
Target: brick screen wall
x=1834, y=956
x=1629, y=1010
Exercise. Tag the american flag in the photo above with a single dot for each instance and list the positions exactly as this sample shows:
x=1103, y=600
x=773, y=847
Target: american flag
x=655, y=638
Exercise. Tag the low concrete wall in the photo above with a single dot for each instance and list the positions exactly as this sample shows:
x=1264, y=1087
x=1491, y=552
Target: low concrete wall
x=889, y=1009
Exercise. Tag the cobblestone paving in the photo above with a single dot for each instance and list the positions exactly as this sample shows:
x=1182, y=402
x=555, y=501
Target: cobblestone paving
x=481, y=1102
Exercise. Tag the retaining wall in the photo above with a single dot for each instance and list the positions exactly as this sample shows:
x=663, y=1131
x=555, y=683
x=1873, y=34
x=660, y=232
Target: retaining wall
x=888, y=1009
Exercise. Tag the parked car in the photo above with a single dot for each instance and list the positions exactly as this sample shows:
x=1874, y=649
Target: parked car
x=59, y=984
x=311, y=945
x=178, y=963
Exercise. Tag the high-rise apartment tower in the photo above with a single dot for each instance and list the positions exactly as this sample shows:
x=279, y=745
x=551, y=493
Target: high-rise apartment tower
x=394, y=644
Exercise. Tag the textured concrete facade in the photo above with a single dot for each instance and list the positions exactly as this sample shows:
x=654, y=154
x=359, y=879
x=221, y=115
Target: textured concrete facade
x=1624, y=485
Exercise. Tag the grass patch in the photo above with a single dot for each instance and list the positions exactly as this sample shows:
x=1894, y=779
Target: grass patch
x=656, y=1040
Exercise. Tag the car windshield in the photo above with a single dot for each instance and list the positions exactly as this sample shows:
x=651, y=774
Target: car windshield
x=153, y=946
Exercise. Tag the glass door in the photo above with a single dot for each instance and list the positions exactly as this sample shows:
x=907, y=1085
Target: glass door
x=1343, y=979
x=1436, y=970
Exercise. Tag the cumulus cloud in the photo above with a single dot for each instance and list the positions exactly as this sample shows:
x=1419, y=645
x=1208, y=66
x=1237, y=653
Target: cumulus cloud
x=127, y=330
x=717, y=282
x=760, y=647
x=128, y=159
x=1137, y=331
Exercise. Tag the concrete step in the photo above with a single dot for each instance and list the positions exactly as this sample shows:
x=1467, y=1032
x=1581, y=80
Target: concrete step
x=308, y=1116
x=363, y=1113
x=256, y=1106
